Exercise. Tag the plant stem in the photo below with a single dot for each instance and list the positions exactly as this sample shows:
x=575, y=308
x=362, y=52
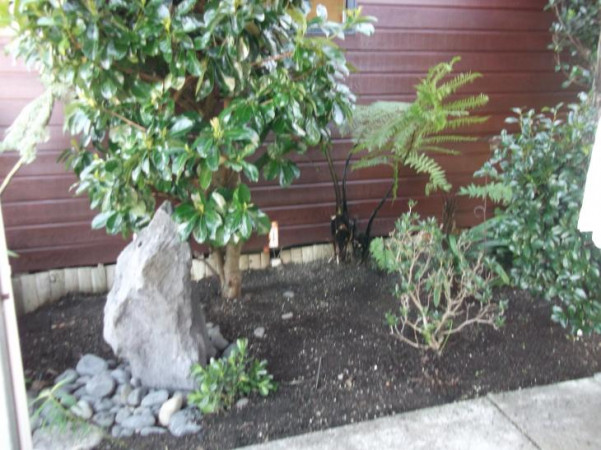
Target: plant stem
x=11, y=174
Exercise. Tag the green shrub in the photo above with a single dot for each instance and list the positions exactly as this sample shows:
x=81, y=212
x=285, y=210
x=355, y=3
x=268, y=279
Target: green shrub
x=223, y=381
x=539, y=174
x=444, y=286
x=575, y=33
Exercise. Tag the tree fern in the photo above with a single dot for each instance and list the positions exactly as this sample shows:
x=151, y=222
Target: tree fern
x=398, y=134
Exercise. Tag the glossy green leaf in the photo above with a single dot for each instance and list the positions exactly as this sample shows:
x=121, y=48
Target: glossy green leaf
x=243, y=193
x=185, y=212
x=251, y=171
x=181, y=125
x=205, y=178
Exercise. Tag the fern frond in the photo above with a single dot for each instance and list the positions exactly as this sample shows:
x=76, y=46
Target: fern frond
x=405, y=140
x=497, y=192
x=447, y=139
x=438, y=149
x=422, y=163
x=451, y=86
x=376, y=122
x=463, y=104
x=439, y=71
x=466, y=121
x=370, y=162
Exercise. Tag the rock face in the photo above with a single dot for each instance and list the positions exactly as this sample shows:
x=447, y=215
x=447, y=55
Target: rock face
x=150, y=318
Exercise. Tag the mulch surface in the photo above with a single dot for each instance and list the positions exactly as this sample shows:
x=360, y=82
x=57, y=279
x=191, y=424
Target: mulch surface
x=337, y=332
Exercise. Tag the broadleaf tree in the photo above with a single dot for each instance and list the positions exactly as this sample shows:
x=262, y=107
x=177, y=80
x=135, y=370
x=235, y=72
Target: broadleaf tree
x=189, y=101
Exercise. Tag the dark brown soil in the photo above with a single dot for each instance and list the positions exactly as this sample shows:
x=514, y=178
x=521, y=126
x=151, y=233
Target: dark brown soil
x=338, y=320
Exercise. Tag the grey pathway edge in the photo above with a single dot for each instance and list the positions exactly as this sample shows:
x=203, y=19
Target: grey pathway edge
x=565, y=415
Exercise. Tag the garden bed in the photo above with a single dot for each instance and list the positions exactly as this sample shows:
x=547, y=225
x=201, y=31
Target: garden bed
x=337, y=331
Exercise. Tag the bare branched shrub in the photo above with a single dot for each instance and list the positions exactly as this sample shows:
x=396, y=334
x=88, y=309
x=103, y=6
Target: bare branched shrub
x=444, y=285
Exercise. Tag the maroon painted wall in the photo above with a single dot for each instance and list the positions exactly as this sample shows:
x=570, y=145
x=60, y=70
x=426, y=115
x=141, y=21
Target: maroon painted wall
x=506, y=40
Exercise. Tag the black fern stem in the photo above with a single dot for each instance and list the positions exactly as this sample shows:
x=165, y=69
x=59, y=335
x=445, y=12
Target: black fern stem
x=366, y=237
x=342, y=227
x=346, y=164
x=376, y=210
x=328, y=155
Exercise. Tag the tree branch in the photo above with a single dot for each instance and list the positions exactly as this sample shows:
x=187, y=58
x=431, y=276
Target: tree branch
x=272, y=58
x=131, y=123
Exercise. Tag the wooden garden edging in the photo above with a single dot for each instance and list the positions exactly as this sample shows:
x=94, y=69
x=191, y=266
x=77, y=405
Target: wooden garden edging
x=36, y=289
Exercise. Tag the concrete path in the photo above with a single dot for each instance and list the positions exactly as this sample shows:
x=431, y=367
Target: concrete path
x=559, y=416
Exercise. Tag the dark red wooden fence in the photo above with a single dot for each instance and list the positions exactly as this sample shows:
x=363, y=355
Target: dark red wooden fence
x=506, y=40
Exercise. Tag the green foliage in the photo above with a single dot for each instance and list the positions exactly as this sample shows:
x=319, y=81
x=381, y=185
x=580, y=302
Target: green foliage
x=30, y=128
x=4, y=13
x=223, y=381
x=52, y=408
x=176, y=99
x=443, y=284
x=575, y=38
x=543, y=167
x=403, y=134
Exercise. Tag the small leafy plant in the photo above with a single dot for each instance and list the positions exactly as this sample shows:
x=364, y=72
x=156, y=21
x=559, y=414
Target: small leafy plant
x=538, y=176
x=444, y=284
x=52, y=409
x=223, y=381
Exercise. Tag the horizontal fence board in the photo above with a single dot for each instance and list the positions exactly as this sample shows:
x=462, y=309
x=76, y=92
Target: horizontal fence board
x=79, y=254
x=46, y=163
x=450, y=19
x=451, y=41
x=47, y=211
x=391, y=61
x=19, y=87
x=53, y=234
x=501, y=104
x=497, y=83
x=27, y=189
x=481, y=4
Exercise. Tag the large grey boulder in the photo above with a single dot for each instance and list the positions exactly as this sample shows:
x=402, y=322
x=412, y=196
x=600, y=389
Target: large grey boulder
x=149, y=317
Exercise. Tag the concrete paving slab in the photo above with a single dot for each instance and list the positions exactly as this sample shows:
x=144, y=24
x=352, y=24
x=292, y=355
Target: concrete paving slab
x=475, y=424
x=560, y=416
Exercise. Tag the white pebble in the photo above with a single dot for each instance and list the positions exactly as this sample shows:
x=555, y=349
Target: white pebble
x=170, y=407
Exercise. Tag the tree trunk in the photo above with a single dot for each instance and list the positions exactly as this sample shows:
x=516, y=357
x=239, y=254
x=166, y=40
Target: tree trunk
x=231, y=286
x=228, y=258
x=219, y=259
